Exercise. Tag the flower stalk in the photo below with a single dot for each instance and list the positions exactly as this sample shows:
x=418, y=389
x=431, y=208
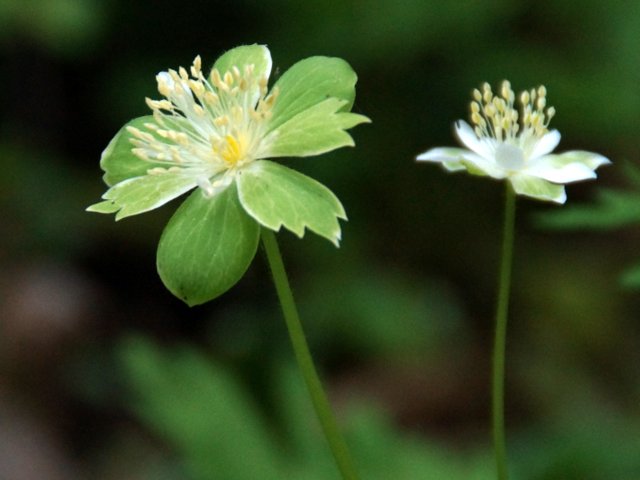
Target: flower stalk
x=319, y=399
x=499, y=346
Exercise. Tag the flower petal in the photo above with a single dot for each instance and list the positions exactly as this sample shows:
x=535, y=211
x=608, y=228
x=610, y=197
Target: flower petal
x=450, y=157
x=244, y=55
x=141, y=194
x=456, y=159
x=469, y=139
x=590, y=159
x=309, y=82
x=567, y=167
x=318, y=129
x=538, y=188
x=207, y=246
x=545, y=145
x=277, y=196
x=117, y=160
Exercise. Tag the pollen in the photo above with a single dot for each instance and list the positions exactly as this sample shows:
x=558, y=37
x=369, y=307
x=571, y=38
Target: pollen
x=495, y=115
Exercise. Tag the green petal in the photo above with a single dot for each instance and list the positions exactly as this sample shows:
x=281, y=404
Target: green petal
x=309, y=82
x=106, y=206
x=118, y=162
x=256, y=55
x=207, y=246
x=588, y=159
x=318, y=129
x=141, y=194
x=538, y=188
x=277, y=196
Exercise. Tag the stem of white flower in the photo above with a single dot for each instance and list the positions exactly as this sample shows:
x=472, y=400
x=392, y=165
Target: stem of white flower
x=499, y=345
x=318, y=397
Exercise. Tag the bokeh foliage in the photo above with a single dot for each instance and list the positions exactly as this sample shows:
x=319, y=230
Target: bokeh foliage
x=399, y=317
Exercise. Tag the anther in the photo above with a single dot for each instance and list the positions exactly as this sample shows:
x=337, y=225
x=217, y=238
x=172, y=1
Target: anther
x=210, y=98
x=197, y=87
x=215, y=77
x=196, y=68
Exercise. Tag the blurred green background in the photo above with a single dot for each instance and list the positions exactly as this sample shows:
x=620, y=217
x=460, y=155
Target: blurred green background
x=104, y=375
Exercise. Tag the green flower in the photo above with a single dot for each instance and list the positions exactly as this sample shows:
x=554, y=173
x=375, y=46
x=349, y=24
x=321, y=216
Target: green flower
x=213, y=133
x=505, y=143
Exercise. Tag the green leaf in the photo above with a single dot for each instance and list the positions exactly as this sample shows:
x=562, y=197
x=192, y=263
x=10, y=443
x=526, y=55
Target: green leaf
x=538, y=188
x=141, y=194
x=201, y=411
x=318, y=129
x=614, y=209
x=631, y=172
x=118, y=162
x=277, y=196
x=207, y=246
x=631, y=277
x=309, y=82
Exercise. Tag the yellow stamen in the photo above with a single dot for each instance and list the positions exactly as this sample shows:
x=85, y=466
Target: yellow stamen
x=495, y=116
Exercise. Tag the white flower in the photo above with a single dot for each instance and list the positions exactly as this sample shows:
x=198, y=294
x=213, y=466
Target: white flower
x=516, y=145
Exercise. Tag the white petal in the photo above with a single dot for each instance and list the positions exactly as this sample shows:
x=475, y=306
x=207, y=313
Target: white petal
x=468, y=138
x=454, y=159
x=545, y=145
x=573, y=172
x=450, y=158
x=442, y=154
x=567, y=167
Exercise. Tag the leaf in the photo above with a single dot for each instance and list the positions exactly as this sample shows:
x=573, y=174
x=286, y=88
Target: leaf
x=118, y=162
x=614, y=209
x=277, y=196
x=201, y=411
x=631, y=172
x=207, y=246
x=631, y=277
x=141, y=194
x=318, y=129
x=309, y=82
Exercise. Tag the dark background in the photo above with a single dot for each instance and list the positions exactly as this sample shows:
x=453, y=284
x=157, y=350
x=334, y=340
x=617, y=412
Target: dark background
x=104, y=375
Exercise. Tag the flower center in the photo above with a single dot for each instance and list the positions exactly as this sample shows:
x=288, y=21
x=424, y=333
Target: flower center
x=495, y=116
x=509, y=157
x=233, y=150
x=206, y=126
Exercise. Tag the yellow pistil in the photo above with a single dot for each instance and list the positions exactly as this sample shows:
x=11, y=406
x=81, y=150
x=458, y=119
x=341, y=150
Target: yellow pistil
x=495, y=116
x=232, y=150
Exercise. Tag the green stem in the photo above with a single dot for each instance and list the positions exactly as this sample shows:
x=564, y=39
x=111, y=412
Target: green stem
x=305, y=362
x=500, y=340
